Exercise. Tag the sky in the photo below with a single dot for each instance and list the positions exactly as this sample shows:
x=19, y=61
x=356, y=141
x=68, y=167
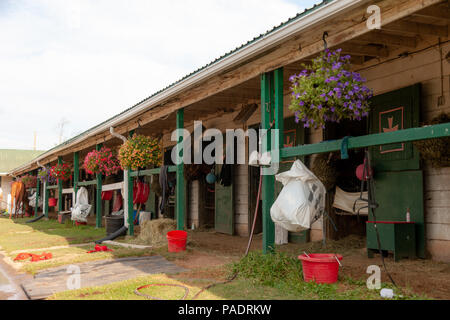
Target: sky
x=66, y=66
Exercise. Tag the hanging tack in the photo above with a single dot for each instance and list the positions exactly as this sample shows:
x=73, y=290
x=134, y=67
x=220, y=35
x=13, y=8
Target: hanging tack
x=325, y=44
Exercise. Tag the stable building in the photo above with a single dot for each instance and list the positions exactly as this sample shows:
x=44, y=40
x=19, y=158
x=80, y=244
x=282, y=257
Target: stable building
x=406, y=63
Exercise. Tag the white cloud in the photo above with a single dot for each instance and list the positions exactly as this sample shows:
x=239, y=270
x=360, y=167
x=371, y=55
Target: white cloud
x=90, y=60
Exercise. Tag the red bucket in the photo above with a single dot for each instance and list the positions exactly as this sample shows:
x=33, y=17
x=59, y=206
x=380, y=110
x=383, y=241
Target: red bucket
x=321, y=268
x=52, y=202
x=177, y=240
x=78, y=223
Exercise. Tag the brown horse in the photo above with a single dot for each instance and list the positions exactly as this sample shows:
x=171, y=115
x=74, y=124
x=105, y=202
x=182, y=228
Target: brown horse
x=19, y=195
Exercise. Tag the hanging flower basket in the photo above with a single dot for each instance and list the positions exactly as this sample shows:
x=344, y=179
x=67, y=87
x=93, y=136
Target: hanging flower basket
x=29, y=181
x=44, y=176
x=140, y=152
x=61, y=172
x=327, y=91
x=103, y=161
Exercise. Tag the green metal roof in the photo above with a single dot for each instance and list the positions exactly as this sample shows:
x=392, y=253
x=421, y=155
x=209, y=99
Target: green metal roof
x=255, y=39
x=12, y=158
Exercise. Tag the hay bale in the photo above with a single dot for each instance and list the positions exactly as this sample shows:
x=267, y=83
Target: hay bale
x=154, y=232
x=436, y=151
x=155, y=186
x=324, y=169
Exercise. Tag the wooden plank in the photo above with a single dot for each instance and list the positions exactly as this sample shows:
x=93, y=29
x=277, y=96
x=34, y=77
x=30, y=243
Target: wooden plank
x=436, y=12
x=368, y=50
x=438, y=231
x=87, y=183
x=380, y=37
x=112, y=186
x=437, y=215
x=416, y=28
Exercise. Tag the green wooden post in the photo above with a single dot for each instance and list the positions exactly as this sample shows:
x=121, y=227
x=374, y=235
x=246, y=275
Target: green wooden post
x=98, y=198
x=36, y=208
x=180, y=191
x=46, y=194
x=60, y=187
x=130, y=198
x=130, y=204
x=76, y=173
x=268, y=188
x=279, y=105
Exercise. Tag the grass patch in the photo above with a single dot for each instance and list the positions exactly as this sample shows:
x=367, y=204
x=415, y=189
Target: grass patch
x=17, y=235
x=283, y=271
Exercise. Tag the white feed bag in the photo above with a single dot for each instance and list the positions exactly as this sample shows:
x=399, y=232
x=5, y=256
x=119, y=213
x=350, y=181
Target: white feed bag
x=301, y=201
x=82, y=207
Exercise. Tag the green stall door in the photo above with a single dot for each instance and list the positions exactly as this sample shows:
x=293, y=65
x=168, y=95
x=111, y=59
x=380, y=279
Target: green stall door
x=398, y=178
x=224, y=205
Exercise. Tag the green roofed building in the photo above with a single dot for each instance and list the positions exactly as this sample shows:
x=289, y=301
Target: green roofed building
x=9, y=160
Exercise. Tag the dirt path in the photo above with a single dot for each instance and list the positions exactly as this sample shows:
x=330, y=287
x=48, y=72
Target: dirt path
x=211, y=249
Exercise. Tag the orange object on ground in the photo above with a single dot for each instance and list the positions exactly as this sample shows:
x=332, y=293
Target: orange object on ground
x=99, y=248
x=34, y=257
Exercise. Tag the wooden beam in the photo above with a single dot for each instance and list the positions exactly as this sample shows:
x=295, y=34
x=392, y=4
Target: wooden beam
x=379, y=37
x=367, y=50
x=436, y=12
x=416, y=28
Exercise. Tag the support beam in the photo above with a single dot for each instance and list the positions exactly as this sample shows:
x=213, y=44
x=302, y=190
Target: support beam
x=416, y=28
x=379, y=37
x=36, y=208
x=60, y=187
x=268, y=183
x=365, y=50
x=98, y=198
x=129, y=201
x=436, y=12
x=76, y=173
x=45, y=204
x=180, y=191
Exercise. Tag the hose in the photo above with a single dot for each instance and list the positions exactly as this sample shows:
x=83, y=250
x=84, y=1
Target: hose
x=35, y=219
x=232, y=278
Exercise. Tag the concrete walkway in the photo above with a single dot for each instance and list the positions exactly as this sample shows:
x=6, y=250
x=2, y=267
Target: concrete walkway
x=9, y=288
x=95, y=273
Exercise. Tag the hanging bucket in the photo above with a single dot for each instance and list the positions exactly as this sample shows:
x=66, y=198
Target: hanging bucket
x=52, y=202
x=177, y=240
x=321, y=268
x=107, y=195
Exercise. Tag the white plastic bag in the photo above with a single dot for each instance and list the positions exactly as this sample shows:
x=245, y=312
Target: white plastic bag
x=82, y=207
x=301, y=201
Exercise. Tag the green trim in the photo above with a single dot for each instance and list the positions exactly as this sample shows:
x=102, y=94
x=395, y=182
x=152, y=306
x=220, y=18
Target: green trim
x=129, y=200
x=129, y=203
x=180, y=191
x=36, y=208
x=54, y=187
x=406, y=135
x=76, y=172
x=268, y=187
x=60, y=187
x=46, y=194
x=98, y=198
